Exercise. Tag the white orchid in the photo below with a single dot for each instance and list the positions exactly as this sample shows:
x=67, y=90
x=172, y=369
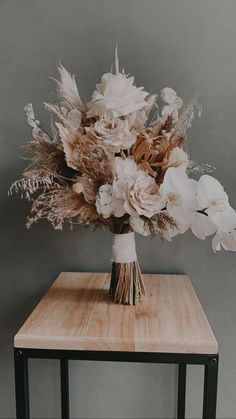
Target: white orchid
x=174, y=103
x=139, y=226
x=177, y=158
x=116, y=96
x=170, y=232
x=107, y=204
x=202, y=226
x=214, y=201
x=113, y=133
x=179, y=194
x=227, y=240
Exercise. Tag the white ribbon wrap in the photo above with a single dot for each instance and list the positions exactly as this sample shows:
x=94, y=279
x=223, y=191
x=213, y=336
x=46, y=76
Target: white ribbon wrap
x=123, y=248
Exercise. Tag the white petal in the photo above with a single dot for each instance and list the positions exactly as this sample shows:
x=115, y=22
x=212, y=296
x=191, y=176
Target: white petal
x=178, y=102
x=78, y=187
x=226, y=240
x=30, y=115
x=178, y=158
x=168, y=95
x=175, y=180
x=202, y=226
x=211, y=193
x=74, y=117
x=139, y=226
x=68, y=90
x=183, y=215
x=225, y=220
x=119, y=209
x=170, y=232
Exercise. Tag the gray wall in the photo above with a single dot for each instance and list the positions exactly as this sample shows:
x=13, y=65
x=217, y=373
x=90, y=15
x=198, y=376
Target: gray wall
x=184, y=44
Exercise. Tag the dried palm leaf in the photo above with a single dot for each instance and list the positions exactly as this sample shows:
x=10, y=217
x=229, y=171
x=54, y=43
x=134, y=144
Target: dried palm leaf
x=67, y=89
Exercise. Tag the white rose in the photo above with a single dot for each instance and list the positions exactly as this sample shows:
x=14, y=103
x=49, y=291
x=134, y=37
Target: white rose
x=143, y=198
x=115, y=96
x=113, y=133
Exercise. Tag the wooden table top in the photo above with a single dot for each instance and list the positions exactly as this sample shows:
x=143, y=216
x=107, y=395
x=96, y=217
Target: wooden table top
x=77, y=313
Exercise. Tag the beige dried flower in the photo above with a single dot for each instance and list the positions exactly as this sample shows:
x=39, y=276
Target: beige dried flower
x=85, y=185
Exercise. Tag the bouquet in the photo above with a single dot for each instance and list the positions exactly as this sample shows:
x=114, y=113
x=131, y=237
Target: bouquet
x=120, y=161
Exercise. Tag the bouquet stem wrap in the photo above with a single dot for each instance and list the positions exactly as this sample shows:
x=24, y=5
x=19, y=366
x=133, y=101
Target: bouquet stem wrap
x=126, y=285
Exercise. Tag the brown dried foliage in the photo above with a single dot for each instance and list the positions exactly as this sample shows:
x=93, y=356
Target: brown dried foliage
x=63, y=204
x=159, y=223
x=47, y=159
x=152, y=148
x=87, y=156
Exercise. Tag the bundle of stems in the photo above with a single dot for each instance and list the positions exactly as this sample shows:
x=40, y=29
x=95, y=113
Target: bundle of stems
x=127, y=286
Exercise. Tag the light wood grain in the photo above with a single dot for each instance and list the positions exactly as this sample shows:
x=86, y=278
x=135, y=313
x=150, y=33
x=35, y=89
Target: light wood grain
x=77, y=313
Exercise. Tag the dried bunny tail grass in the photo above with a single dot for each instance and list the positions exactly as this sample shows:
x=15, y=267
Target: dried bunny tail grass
x=63, y=204
x=159, y=223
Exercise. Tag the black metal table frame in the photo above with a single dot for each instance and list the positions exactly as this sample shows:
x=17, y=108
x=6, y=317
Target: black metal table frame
x=210, y=362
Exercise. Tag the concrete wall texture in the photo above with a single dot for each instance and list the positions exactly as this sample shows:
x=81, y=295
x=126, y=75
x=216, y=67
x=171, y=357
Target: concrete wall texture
x=184, y=44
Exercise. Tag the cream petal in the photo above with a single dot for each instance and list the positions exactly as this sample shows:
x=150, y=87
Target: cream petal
x=226, y=240
x=175, y=180
x=210, y=190
x=139, y=226
x=202, y=226
x=168, y=95
x=74, y=117
x=225, y=220
x=78, y=187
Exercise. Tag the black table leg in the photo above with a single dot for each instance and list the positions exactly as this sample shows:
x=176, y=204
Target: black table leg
x=65, y=410
x=210, y=389
x=21, y=385
x=181, y=391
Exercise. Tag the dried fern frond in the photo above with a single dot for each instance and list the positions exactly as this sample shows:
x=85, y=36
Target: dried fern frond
x=160, y=222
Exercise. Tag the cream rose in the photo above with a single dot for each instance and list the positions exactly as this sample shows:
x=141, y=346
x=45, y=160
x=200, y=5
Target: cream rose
x=114, y=134
x=143, y=198
x=115, y=96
